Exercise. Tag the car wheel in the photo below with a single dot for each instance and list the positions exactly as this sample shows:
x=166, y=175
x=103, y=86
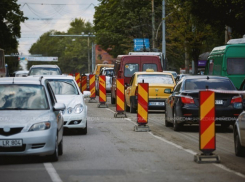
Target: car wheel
x=167, y=124
x=60, y=147
x=55, y=156
x=83, y=131
x=132, y=110
x=113, y=100
x=126, y=107
x=239, y=149
x=176, y=125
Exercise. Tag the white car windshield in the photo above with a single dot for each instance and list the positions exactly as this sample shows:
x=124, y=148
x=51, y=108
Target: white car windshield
x=63, y=86
x=155, y=78
x=23, y=97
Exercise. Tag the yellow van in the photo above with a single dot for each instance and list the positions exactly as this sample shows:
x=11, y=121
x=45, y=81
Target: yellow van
x=99, y=67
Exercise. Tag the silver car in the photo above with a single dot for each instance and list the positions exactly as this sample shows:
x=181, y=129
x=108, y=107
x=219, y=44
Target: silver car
x=239, y=135
x=31, y=121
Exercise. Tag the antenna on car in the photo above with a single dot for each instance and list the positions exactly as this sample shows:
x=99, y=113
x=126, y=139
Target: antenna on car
x=207, y=77
x=40, y=79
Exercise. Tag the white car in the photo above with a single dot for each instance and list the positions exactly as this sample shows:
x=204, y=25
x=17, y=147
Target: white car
x=109, y=73
x=239, y=135
x=67, y=91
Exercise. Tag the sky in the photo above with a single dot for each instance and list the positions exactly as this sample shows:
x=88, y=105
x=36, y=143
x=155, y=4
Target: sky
x=45, y=15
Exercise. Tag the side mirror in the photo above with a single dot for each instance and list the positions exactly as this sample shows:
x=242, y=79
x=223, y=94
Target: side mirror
x=86, y=94
x=168, y=91
x=59, y=107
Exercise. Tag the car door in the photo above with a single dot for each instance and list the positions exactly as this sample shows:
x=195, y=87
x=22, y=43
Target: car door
x=172, y=98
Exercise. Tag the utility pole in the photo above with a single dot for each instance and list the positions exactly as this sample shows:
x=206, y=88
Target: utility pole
x=88, y=57
x=153, y=25
x=163, y=36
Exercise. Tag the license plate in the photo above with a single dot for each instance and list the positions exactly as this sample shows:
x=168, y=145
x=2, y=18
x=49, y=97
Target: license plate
x=218, y=102
x=11, y=143
x=156, y=103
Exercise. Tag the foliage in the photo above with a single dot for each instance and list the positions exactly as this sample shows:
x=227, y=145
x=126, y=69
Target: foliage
x=72, y=52
x=117, y=23
x=10, y=19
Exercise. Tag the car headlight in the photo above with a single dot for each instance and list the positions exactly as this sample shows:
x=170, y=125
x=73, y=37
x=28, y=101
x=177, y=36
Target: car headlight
x=40, y=126
x=78, y=108
x=69, y=110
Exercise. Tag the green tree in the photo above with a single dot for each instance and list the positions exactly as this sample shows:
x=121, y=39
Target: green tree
x=10, y=19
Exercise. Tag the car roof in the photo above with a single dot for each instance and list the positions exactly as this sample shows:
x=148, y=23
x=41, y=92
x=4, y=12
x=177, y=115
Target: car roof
x=45, y=66
x=20, y=80
x=169, y=71
x=204, y=77
x=21, y=71
x=151, y=73
x=54, y=76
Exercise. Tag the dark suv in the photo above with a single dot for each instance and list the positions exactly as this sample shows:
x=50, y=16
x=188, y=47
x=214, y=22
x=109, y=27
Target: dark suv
x=44, y=70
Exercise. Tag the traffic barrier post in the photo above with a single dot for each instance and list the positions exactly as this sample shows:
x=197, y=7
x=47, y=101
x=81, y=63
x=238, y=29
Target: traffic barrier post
x=84, y=83
x=142, y=108
x=78, y=79
x=207, y=138
x=92, y=88
x=120, y=98
x=102, y=91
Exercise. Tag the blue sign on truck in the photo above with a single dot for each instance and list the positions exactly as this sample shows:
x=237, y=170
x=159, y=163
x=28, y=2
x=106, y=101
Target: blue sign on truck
x=141, y=43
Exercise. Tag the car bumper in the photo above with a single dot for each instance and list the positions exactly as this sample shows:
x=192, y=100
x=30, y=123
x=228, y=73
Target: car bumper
x=190, y=115
x=69, y=120
x=34, y=143
x=156, y=104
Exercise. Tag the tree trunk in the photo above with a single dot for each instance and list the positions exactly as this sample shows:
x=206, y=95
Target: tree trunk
x=187, y=58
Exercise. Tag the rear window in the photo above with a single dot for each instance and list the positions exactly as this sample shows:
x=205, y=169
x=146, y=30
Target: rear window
x=130, y=69
x=155, y=78
x=219, y=84
x=149, y=66
x=236, y=66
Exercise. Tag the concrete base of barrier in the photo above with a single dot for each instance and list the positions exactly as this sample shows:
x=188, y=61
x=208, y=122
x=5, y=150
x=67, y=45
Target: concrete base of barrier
x=102, y=105
x=92, y=100
x=142, y=128
x=120, y=115
x=206, y=158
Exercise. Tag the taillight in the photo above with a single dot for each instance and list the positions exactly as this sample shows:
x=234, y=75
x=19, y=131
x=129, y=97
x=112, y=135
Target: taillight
x=187, y=100
x=236, y=99
x=136, y=91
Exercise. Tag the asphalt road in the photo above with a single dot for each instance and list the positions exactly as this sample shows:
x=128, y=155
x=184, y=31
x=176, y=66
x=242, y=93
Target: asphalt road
x=113, y=151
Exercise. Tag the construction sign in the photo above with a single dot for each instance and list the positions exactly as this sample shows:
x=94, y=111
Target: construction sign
x=143, y=96
x=84, y=83
x=207, y=121
x=120, y=98
x=102, y=89
x=78, y=79
x=92, y=86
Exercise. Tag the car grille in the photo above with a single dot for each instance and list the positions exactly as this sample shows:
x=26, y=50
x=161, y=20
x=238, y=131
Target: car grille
x=12, y=131
x=37, y=145
x=13, y=149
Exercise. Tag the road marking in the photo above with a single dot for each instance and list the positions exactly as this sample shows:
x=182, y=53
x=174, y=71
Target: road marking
x=110, y=110
x=52, y=172
x=192, y=152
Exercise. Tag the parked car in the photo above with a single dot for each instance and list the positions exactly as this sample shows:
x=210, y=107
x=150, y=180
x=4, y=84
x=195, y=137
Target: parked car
x=127, y=65
x=67, y=91
x=160, y=86
x=98, y=68
x=109, y=73
x=174, y=73
x=239, y=135
x=21, y=73
x=182, y=106
x=31, y=118
x=44, y=70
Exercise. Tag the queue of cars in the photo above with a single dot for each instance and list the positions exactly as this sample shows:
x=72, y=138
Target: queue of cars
x=40, y=107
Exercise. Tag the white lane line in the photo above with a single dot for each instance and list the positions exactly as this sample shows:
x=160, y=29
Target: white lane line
x=52, y=172
x=110, y=110
x=193, y=153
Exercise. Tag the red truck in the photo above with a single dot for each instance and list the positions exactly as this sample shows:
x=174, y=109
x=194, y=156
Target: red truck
x=127, y=65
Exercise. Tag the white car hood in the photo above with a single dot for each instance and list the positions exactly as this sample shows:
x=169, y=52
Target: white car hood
x=70, y=100
x=24, y=118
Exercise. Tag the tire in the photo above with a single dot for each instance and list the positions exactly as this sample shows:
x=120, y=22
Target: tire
x=239, y=150
x=132, y=110
x=176, y=125
x=83, y=131
x=167, y=124
x=225, y=126
x=113, y=100
x=60, y=147
x=55, y=156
